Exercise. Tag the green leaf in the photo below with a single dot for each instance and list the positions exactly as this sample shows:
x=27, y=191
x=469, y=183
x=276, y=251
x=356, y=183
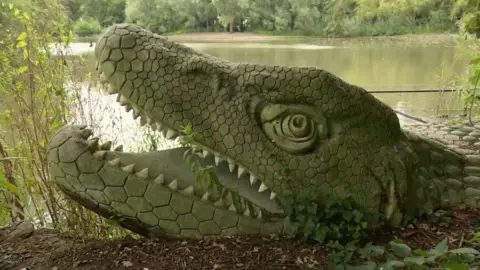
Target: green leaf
x=417, y=260
x=22, y=36
x=475, y=61
x=464, y=251
x=21, y=44
x=367, y=266
x=320, y=234
x=440, y=248
x=391, y=265
x=372, y=251
x=421, y=252
x=401, y=250
x=22, y=69
x=10, y=187
x=347, y=215
x=455, y=266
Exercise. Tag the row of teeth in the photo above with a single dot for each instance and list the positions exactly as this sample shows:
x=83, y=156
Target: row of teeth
x=168, y=133
x=171, y=134
x=232, y=166
x=100, y=151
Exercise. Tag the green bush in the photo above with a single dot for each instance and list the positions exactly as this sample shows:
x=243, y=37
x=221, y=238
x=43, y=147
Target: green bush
x=87, y=27
x=333, y=220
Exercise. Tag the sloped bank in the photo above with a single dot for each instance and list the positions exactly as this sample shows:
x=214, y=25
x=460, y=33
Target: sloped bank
x=22, y=247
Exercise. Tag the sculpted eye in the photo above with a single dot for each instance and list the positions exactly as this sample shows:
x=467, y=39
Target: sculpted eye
x=294, y=128
x=297, y=125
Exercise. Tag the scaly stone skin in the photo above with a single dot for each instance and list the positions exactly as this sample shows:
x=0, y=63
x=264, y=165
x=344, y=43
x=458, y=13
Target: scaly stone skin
x=283, y=130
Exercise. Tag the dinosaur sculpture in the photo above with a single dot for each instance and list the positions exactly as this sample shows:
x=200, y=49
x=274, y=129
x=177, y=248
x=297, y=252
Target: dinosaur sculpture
x=271, y=132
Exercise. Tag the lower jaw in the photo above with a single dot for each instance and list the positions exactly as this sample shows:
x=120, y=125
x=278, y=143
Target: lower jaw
x=121, y=190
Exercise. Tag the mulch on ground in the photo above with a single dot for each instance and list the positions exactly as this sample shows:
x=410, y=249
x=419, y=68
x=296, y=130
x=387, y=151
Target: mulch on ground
x=47, y=249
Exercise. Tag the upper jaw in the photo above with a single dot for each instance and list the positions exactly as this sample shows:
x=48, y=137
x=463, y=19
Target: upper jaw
x=172, y=132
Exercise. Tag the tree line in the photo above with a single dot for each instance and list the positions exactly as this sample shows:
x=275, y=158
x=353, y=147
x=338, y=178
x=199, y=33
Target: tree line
x=303, y=17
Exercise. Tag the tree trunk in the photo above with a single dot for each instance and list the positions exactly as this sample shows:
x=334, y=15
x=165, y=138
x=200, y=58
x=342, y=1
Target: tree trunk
x=232, y=24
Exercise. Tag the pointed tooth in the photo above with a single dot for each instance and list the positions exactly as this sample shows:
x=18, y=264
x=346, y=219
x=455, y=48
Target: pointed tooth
x=253, y=180
x=232, y=208
x=86, y=133
x=160, y=179
x=189, y=191
x=143, y=173
x=171, y=134
x=273, y=195
x=136, y=113
x=114, y=162
x=179, y=139
x=111, y=90
x=259, y=216
x=159, y=126
x=97, y=65
x=143, y=122
x=129, y=168
x=217, y=160
x=93, y=143
x=262, y=188
x=128, y=107
x=106, y=145
x=205, y=196
x=196, y=149
x=123, y=101
x=205, y=153
x=219, y=203
x=241, y=171
x=118, y=148
x=99, y=155
x=231, y=164
x=173, y=185
x=103, y=81
x=246, y=212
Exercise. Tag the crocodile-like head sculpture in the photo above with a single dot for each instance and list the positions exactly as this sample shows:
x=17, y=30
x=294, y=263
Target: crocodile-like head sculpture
x=281, y=130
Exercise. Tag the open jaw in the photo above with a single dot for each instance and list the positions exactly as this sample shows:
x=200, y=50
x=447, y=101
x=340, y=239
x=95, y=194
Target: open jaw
x=155, y=193
x=282, y=131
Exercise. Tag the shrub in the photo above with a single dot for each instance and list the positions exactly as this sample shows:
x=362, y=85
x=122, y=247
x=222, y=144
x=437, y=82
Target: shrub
x=87, y=27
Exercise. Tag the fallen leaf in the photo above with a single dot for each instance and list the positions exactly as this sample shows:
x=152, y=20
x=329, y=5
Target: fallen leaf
x=127, y=263
x=424, y=226
x=217, y=266
x=222, y=246
x=409, y=233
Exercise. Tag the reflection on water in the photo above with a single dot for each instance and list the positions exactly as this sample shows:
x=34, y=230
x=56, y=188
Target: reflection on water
x=244, y=46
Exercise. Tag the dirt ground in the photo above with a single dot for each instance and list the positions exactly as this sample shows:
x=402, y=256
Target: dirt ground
x=47, y=249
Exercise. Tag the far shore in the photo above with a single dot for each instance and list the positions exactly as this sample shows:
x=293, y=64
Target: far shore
x=252, y=37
